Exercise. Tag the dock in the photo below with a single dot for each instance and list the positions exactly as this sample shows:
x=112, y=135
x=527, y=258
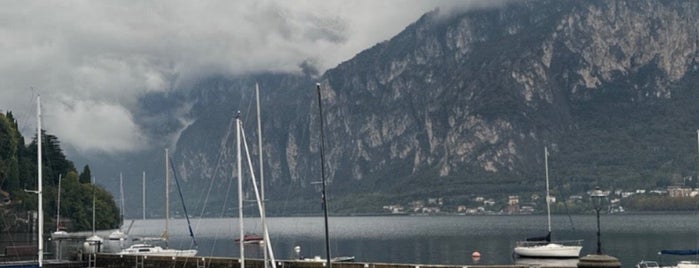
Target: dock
x=119, y=261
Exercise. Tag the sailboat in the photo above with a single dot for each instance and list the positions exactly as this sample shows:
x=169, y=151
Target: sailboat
x=118, y=234
x=60, y=232
x=543, y=247
x=93, y=243
x=154, y=250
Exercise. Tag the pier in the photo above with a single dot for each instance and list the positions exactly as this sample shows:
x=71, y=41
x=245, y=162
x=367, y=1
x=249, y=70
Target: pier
x=118, y=261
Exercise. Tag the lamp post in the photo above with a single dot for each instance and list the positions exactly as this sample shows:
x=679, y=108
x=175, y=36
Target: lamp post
x=598, y=197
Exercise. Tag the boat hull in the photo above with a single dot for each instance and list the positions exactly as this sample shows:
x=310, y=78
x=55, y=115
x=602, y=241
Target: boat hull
x=551, y=250
x=151, y=250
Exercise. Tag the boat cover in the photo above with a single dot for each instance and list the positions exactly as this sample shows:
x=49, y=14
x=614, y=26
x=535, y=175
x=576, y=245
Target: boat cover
x=680, y=252
x=546, y=238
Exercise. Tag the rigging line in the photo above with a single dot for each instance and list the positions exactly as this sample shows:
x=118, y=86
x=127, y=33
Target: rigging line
x=184, y=207
x=229, y=184
x=216, y=168
x=565, y=204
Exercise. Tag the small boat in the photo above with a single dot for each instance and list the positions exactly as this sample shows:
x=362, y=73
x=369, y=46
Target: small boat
x=60, y=232
x=251, y=239
x=542, y=247
x=153, y=250
x=118, y=234
x=336, y=259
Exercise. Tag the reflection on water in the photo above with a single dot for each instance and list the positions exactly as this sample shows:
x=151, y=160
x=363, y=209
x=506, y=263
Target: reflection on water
x=420, y=239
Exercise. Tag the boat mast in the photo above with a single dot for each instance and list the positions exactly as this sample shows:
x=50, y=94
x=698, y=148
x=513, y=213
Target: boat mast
x=262, y=174
x=121, y=190
x=240, y=192
x=167, y=198
x=58, y=205
x=144, y=195
x=40, y=188
x=93, y=205
x=548, y=199
x=322, y=175
x=267, y=241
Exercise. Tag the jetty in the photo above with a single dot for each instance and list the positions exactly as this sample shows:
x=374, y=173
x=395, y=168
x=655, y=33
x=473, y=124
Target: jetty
x=118, y=261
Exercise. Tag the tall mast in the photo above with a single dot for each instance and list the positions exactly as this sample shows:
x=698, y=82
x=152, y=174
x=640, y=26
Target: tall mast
x=144, y=195
x=240, y=192
x=167, y=197
x=58, y=205
x=121, y=191
x=548, y=199
x=262, y=174
x=322, y=175
x=93, y=205
x=40, y=188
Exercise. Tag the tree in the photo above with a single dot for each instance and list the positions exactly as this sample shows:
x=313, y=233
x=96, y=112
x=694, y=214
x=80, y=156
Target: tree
x=86, y=176
x=8, y=155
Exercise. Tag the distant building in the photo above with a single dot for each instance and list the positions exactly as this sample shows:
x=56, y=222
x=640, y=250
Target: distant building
x=626, y=194
x=679, y=191
x=575, y=198
x=512, y=204
x=461, y=209
x=489, y=202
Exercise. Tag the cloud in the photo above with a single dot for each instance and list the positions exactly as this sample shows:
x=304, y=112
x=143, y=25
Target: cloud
x=94, y=126
x=99, y=57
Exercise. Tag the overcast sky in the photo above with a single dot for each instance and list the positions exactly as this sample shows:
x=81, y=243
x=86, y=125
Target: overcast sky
x=91, y=60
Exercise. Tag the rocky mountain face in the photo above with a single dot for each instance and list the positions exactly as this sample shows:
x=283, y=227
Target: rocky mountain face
x=462, y=103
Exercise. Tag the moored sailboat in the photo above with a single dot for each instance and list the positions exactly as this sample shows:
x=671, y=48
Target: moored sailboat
x=150, y=249
x=543, y=247
x=118, y=234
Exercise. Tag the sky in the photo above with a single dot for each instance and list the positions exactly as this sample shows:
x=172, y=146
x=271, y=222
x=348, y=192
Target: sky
x=91, y=60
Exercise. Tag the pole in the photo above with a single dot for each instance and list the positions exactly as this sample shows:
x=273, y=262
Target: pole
x=262, y=174
x=322, y=175
x=40, y=188
x=599, y=244
x=240, y=193
x=548, y=201
x=167, y=198
x=144, y=195
x=58, y=205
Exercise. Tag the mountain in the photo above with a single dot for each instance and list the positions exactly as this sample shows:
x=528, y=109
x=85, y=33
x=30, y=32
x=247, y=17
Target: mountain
x=461, y=103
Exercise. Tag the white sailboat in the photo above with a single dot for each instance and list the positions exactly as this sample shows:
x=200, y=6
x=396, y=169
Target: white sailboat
x=93, y=243
x=60, y=232
x=150, y=249
x=118, y=234
x=543, y=247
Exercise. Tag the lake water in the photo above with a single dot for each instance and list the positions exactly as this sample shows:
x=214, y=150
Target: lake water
x=434, y=239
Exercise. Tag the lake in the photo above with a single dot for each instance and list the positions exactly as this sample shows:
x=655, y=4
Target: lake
x=434, y=239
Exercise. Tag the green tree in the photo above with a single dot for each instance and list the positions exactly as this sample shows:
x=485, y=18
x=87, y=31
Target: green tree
x=9, y=173
x=86, y=176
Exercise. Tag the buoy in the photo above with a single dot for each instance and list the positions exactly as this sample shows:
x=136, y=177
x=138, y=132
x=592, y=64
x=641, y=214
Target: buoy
x=476, y=254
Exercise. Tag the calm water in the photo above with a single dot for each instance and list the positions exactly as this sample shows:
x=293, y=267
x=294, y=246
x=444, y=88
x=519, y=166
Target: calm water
x=435, y=239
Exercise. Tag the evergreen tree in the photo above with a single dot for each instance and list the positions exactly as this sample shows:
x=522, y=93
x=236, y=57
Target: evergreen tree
x=9, y=172
x=85, y=176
